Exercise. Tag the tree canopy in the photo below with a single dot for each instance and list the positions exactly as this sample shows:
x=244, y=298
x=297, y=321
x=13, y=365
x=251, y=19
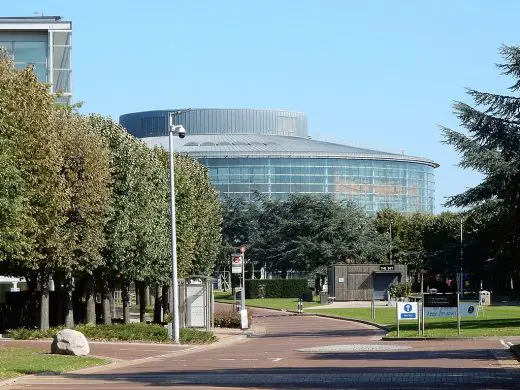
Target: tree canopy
x=490, y=145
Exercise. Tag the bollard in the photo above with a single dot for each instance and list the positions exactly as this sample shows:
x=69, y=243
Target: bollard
x=300, y=305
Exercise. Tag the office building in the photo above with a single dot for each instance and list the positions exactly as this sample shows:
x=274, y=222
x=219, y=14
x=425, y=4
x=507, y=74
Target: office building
x=269, y=151
x=45, y=43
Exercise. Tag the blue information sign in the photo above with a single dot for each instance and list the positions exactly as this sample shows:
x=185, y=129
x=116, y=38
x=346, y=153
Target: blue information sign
x=407, y=311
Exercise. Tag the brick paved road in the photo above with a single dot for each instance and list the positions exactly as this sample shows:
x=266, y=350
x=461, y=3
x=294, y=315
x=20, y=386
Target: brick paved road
x=311, y=352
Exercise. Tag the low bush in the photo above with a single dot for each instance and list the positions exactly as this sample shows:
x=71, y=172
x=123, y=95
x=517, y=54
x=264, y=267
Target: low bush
x=121, y=332
x=32, y=334
x=195, y=336
x=125, y=332
x=230, y=319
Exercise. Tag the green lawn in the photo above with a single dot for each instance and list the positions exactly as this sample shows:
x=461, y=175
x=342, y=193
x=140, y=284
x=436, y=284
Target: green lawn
x=496, y=321
x=271, y=303
x=19, y=361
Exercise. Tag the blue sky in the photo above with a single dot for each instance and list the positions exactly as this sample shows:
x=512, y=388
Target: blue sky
x=380, y=74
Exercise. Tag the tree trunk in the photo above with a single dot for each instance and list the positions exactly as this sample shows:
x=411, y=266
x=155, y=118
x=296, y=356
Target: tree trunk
x=91, y=300
x=44, y=301
x=126, y=302
x=165, y=299
x=107, y=313
x=60, y=296
x=147, y=295
x=142, y=301
x=33, y=304
x=170, y=298
x=69, y=308
x=137, y=295
x=158, y=309
x=112, y=301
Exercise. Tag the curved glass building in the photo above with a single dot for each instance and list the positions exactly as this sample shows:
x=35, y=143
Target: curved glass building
x=269, y=151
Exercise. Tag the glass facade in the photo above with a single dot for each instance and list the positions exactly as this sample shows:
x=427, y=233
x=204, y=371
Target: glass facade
x=268, y=151
x=45, y=44
x=375, y=185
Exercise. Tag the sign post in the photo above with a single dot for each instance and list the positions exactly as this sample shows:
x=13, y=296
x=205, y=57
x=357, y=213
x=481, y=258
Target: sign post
x=406, y=311
x=458, y=314
x=447, y=305
x=243, y=310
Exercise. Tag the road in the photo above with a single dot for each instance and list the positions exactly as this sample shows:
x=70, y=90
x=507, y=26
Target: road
x=290, y=351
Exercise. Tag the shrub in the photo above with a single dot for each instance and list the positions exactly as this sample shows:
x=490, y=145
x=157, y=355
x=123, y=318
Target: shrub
x=227, y=320
x=275, y=288
x=195, y=336
x=33, y=334
x=121, y=332
x=230, y=319
x=399, y=290
x=125, y=332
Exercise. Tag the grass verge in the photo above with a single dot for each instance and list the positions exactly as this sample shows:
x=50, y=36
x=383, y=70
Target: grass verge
x=122, y=332
x=495, y=320
x=20, y=361
x=271, y=303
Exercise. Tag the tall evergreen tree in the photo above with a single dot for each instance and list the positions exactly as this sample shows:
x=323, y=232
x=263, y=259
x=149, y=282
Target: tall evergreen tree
x=491, y=146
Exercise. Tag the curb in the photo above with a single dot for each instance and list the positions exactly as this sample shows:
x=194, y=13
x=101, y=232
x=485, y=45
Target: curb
x=422, y=338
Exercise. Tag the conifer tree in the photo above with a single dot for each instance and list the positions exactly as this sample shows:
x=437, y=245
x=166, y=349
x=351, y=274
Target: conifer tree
x=491, y=146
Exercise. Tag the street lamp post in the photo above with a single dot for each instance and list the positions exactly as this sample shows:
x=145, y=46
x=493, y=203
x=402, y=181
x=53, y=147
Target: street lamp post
x=181, y=132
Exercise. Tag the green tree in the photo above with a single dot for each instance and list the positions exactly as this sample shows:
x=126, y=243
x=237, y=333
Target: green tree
x=85, y=164
x=26, y=110
x=308, y=232
x=491, y=146
x=121, y=228
x=13, y=241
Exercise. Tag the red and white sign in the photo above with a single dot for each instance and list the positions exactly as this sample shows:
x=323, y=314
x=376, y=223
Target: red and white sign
x=236, y=263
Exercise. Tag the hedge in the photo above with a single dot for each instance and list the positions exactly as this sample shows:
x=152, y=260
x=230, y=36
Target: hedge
x=275, y=288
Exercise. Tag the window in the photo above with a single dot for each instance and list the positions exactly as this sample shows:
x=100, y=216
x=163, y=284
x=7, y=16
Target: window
x=30, y=52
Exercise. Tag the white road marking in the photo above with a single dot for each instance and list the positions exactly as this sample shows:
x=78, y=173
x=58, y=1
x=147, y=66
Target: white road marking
x=510, y=343
x=249, y=359
x=275, y=359
x=226, y=359
x=504, y=344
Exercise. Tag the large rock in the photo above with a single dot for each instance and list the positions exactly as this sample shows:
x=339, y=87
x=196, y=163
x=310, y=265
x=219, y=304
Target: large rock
x=70, y=342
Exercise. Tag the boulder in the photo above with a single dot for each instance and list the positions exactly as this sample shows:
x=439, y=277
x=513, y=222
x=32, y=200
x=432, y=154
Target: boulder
x=70, y=342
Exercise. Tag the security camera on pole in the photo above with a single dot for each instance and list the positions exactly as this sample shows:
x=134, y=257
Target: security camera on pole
x=181, y=132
